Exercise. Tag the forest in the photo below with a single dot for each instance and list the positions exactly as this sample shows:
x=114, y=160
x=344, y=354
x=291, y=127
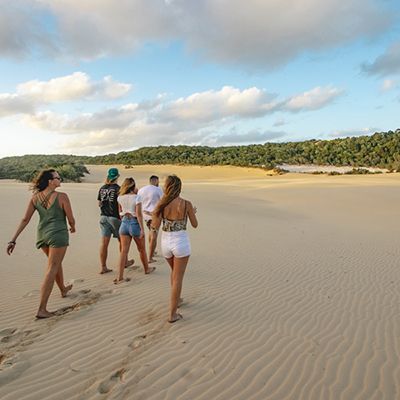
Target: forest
x=381, y=149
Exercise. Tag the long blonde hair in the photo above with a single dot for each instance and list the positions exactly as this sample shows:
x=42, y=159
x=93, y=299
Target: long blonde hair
x=128, y=185
x=172, y=190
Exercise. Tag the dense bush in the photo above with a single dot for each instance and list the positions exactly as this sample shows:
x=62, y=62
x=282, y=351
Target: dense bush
x=25, y=168
x=379, y=150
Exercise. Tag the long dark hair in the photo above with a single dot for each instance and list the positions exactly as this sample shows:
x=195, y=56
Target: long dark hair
x=41, y=181
x=172, y=190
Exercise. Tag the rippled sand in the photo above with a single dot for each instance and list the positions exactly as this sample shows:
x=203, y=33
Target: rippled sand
x=292, y=292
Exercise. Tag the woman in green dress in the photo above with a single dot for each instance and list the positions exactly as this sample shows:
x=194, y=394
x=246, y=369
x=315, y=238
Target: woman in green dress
x=54, y=209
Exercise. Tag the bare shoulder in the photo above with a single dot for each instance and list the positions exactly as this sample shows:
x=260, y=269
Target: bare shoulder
x=188, y=203
x=62, y=196
x=34, y=198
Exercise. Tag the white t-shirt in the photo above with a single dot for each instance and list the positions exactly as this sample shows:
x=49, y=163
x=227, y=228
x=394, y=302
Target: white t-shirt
x=128, y=204
x=150, y=196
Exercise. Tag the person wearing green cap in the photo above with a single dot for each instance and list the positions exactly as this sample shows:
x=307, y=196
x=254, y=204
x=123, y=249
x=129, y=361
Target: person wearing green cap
x=109, y=216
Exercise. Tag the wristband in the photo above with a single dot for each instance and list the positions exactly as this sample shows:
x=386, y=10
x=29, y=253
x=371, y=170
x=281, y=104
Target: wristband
x=12, y=242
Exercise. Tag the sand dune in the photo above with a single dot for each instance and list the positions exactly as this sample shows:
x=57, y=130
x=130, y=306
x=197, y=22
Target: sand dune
x=292, y=292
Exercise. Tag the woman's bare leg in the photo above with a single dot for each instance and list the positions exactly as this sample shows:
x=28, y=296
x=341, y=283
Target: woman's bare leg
x=128, y=263
x=59, y=277
x=55, y=257
x=152, y=245
x=141, y=246
x=170, y=261
x=178, y=271
x=125, y=242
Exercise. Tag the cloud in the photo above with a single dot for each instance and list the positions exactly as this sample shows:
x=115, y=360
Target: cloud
x=201, y=118
x=312, y=100
x=279, y=122
x=227, y=102
x=72, y=87
x=353, y=132
x=256, y=34
x=196, y=111
x=22, y=31
x=109, y=119
x=253, y=136
x=386, y=64
x=11, y=104
x=78, y=86
x=388, y=84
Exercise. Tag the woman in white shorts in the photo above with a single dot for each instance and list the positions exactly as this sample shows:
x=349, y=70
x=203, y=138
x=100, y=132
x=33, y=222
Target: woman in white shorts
x=173, y=212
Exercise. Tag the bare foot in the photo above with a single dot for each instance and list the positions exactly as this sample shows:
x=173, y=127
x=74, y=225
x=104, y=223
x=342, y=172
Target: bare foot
x=151, y=260
x=105, y=270
x=44, y=314
x=175, y=317
x=66, y=290
x=129, y=263
x=117, y=281
x=149, y=270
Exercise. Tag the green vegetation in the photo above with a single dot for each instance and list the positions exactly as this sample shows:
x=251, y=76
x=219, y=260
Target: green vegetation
x=24, y=168
x=379, y=150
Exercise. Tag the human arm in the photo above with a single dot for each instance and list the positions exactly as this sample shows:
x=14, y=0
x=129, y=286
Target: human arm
x=139, y=216
x=24, y=222
x=66, y=205
x=192, y=214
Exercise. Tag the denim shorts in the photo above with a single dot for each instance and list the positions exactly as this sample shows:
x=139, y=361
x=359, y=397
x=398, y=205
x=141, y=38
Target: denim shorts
x=109, y=226
x=129, y=227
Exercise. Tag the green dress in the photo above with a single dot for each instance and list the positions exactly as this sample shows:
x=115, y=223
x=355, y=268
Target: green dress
x=52, y=229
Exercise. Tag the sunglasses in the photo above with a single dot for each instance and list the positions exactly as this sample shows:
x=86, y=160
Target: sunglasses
x=57, y=177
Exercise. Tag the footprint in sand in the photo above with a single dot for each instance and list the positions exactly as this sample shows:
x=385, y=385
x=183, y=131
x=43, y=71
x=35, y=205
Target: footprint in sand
x=12, y=367
x=75, y=294
x=87, y=298
x=109, y=383
x=7, y=332
x=78, y=280
x=137, y=341
x=31, y=294
x=14, y=335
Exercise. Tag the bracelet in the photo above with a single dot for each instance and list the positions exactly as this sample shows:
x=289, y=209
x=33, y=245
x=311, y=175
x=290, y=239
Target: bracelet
x=12, y=242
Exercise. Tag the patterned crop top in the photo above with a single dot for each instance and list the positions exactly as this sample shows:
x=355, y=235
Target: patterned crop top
x=174, y=225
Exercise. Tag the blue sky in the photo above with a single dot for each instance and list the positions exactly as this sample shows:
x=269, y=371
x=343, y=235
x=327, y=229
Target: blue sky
x=99, y=76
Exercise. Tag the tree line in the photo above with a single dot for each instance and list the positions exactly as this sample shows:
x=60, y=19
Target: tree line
x=381, y=149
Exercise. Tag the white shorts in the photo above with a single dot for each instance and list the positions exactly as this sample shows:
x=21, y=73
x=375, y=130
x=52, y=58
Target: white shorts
x=175, y=244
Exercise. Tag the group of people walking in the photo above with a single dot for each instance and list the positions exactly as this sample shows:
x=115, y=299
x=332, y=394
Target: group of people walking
x=124, y=211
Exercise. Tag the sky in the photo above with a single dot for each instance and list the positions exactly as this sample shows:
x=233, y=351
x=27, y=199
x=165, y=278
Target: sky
x=94, y=77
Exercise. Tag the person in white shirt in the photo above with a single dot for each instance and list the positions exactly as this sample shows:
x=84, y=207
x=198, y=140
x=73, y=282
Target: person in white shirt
x=150, y=195
x=130, y=210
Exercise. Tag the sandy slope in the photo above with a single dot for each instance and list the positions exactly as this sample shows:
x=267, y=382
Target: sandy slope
x=292, y=292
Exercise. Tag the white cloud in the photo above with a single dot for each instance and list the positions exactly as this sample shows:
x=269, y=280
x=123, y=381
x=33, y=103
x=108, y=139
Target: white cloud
x=353, y=132
x=253, y=33
x=386, y=64
x=11, y=104
x=214, y=105
x=388, y=84
x=201, y=118
x=30, y=95
x=76, y=86
x=314, y=99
